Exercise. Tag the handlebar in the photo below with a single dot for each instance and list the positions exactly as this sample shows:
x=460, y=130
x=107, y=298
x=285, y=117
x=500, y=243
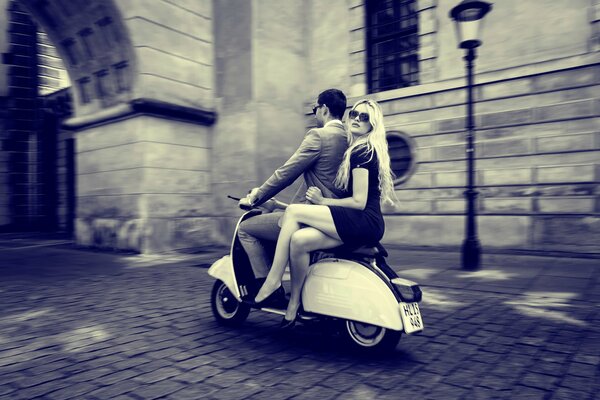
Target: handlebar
x=243, y=207
x=274, y=204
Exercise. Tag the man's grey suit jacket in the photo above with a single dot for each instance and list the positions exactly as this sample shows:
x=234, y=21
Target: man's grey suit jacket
x=318, y=157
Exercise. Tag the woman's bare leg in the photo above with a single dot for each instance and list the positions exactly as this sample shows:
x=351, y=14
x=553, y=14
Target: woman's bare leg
x=302, y=243
x=295, y=216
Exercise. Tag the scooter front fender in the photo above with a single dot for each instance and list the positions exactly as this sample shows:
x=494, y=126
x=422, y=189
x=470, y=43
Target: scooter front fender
x=222, y=269
x=346, y=289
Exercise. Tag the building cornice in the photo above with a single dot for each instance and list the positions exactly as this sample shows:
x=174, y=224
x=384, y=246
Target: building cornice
x=142, y=106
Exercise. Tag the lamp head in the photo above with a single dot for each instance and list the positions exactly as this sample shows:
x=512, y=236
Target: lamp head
x=468, y=17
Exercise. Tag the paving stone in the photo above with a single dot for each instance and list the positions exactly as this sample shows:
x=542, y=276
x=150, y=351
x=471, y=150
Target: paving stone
x=463, y=378
x=29, y=381
x=569, y=394
x=445, y=368
x=278, y=392
x=545, y=382
x=119, y=376
x=130, y=362
x=341, y=381
x=575, y=382
x=364, y=392
x=195, y=362
x=226, y=378
x=115, y=389
x=5, y=390
x=157, y=375
x=524, y=392
x=485, y=393
x=73, y=391
x=157, y=390
x=194, y=392
x=272, y=377
x=317, y=392
x=39, y=390
x=496, y=382
x=447, y=391
x=306, y=378
x=165, y=353
x=152, y=366
x=90, y=374
x=242, y=390
x=203, y=372
x=584, y=370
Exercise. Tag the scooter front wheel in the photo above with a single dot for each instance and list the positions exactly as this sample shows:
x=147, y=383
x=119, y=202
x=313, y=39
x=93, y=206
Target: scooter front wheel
x=367, y=337
x=225, y=307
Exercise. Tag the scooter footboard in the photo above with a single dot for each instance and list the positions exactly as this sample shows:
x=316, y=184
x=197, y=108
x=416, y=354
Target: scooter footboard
x=345, y=289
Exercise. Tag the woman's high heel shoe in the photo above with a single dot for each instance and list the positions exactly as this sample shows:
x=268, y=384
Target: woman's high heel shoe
x=261, y=297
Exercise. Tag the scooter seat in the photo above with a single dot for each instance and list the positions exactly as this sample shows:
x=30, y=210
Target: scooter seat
x=363, y=251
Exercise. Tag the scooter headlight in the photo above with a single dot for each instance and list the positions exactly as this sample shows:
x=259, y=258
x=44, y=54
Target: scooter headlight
x=409, y=291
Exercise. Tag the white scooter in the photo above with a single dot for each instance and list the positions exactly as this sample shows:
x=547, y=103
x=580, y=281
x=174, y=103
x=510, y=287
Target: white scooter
x=355, y=289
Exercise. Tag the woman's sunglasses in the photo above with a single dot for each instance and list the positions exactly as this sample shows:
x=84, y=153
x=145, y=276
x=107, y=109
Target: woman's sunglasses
x=362, y=117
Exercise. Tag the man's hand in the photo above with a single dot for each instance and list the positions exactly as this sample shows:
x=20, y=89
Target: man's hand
x=248, y=201
x=314, y=195
x=274, y=204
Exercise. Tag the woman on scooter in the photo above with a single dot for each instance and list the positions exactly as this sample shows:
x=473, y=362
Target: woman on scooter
x=356, y=220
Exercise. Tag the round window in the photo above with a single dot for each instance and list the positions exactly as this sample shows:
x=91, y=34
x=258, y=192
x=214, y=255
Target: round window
x=402, y=155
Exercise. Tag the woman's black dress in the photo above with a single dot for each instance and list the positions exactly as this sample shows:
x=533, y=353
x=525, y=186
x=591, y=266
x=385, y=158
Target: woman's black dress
x=361, y=227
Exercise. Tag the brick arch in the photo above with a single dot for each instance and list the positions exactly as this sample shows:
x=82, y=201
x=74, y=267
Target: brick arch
x=94, y=43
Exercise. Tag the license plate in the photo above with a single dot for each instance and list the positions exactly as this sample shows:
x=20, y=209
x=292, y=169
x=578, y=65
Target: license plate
x=411, y=317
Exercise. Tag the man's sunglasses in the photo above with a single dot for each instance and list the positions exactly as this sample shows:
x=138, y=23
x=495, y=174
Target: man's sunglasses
x=315, y=108
x=362, y=117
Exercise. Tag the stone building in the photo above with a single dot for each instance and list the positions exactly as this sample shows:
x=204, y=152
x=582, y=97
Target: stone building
x=175, y=103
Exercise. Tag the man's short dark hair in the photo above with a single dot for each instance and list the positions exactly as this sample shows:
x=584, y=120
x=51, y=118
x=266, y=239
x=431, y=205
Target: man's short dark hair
x=335, y=100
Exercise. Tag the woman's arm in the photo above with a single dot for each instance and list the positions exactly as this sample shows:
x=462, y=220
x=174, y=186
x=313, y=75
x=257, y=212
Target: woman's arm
x=358, y=200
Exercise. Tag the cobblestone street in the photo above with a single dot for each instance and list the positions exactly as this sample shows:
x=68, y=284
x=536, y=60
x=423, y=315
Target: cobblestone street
x=81, y=324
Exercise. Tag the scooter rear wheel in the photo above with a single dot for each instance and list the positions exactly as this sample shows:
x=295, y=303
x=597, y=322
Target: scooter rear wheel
x=367, y=337
x=225, y=307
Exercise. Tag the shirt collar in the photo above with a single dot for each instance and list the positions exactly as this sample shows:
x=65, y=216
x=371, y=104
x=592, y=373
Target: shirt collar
x=331, y=122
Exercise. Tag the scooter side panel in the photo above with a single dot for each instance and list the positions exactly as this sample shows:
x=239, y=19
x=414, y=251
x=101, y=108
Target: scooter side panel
x=345, y=289
x=222, y=269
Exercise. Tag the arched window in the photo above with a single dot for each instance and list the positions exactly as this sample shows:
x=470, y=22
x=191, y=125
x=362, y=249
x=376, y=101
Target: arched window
x=392, y=44
x=402, y=155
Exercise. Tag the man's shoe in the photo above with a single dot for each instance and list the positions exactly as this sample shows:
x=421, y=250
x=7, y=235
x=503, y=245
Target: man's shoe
x=286, y=325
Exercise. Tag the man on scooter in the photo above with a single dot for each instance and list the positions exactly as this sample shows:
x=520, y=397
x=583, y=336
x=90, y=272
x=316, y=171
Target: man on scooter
x=318, y=157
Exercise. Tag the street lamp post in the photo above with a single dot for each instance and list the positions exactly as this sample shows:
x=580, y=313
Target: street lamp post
x=468, y=18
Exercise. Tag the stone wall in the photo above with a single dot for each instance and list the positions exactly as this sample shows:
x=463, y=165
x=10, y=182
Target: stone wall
x=173, y=44
x=4, y=48
x=537, y=149
x=547, y=32
x=145, y=186
x=537, y=143
x=143, y=108
x=4, y=167
x=20, y=138
x=4, y=188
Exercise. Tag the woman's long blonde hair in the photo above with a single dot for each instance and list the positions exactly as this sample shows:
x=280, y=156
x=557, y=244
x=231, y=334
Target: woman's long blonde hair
x=374, y=141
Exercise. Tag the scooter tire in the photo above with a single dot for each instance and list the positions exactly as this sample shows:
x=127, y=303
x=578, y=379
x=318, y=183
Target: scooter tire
x=227, y=310
x=369, y=338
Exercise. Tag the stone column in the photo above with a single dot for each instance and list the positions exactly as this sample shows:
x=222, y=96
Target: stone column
x=261, y=88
